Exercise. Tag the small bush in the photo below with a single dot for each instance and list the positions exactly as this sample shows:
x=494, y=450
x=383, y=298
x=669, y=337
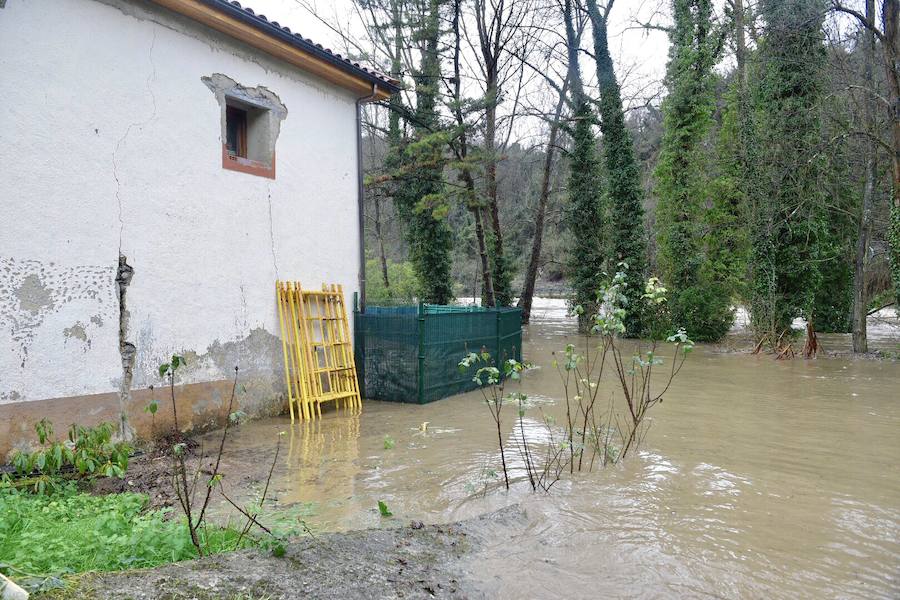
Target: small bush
x=705, y=311
x=88, y=451
x=403, y=282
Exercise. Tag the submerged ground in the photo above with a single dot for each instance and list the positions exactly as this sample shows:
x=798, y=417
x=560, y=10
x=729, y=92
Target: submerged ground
x=758, y=478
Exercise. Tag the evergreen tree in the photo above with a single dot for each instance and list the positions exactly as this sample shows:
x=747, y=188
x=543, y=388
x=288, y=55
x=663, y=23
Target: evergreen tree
x=788, y=223
x=623, y=175
x=699, y=303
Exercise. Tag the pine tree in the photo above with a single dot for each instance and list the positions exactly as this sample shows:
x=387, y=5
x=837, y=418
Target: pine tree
x=699, y=303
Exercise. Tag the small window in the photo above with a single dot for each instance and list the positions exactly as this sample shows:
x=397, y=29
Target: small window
x=236, y=128
x=249, y=145
x=250, y=120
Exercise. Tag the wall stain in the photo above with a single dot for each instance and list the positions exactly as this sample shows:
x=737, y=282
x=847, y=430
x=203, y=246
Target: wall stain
x=78, y=331
x=32, y=290
x=33, y=296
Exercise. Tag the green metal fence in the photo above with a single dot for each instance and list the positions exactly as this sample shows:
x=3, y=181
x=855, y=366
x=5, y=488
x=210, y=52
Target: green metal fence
x=411, y=353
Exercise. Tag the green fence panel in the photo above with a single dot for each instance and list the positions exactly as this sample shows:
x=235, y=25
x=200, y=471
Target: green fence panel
x=386, y=351
x=411, y=353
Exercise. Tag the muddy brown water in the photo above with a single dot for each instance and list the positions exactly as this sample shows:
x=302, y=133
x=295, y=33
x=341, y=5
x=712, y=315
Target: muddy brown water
x=757, y=479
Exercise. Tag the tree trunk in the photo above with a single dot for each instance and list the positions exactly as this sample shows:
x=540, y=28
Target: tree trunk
x=891, y=44
x=626, y=207
x=531, y=274
x=740, y=42
x=381, y=256
x=501, y=279
x=860, y=298
x=465, y=174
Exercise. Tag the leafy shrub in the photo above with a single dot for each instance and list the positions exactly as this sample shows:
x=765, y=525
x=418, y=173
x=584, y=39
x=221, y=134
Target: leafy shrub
x=72, y=532
x=88, y=451
x=402, y=277
x=705, y=311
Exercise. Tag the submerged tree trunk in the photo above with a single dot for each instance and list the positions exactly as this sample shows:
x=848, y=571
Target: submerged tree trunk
x=860, y=298
x=534, y=262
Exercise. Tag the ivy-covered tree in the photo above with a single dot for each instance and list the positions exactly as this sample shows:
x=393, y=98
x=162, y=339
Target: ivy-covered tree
x=585, y=213
x=727, y=239
x=420, y=197
x=788, y=221
x=622, y=172
x=699, y=303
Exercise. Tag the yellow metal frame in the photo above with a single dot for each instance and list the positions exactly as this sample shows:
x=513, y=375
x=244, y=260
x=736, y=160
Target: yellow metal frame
x=317, y=348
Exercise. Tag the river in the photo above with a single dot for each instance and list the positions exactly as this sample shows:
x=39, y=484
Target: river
x=757, y=479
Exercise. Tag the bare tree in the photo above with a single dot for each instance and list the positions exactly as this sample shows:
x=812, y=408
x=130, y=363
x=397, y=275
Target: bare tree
x=889, y=37
x=527, y=296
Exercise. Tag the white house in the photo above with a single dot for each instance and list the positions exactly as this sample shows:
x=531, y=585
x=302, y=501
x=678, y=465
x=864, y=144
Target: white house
x=163, y=163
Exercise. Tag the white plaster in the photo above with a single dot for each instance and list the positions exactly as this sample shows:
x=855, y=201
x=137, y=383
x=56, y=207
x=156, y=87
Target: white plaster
x=92, y=94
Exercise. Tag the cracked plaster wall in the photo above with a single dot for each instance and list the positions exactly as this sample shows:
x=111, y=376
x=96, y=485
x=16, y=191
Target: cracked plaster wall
x=112, y=146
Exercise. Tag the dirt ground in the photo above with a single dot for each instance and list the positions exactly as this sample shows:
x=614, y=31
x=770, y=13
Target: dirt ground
x=150, y=472
x=416, y=561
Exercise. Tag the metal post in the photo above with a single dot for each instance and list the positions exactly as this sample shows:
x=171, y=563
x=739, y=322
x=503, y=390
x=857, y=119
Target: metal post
x=359, y=344
x=421, y=373
x=361, y=197
x=499, y=360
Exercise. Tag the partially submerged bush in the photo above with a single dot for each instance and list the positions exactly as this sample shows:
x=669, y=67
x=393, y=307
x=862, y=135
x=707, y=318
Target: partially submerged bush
x=592, y=432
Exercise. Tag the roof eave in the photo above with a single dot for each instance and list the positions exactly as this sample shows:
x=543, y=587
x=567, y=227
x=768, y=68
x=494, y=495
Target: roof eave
x=254, y=30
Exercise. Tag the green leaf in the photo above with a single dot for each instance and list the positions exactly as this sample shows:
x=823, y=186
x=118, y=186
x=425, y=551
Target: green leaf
x=383, y=509
x=163, y=369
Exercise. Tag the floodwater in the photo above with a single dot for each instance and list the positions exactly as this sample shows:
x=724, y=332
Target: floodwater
x=758, y=479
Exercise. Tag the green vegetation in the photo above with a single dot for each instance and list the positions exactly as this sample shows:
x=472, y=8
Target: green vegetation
x=623, y=174
x=72, y=532
x=404, y=285
x=586, y=215
x=88, y=451
x=763, y=180
x=702, y=304
x=788, y=225
x=419, y=196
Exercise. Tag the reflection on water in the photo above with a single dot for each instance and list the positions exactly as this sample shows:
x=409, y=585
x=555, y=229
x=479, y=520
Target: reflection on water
x=758, y=479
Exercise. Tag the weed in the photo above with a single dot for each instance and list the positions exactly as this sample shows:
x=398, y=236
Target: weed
x=70, y=532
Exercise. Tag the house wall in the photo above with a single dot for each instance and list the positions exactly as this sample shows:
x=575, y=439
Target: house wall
x=110, y=146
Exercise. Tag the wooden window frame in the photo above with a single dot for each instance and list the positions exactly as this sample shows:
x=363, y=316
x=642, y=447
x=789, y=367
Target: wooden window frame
x=239, y=161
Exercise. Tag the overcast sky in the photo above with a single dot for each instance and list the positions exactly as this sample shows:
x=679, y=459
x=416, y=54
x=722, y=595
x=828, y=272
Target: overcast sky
x=636, y=51
x=640, y=54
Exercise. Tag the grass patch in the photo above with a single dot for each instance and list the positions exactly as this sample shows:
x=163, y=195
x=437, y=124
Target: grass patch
x=71, y=532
